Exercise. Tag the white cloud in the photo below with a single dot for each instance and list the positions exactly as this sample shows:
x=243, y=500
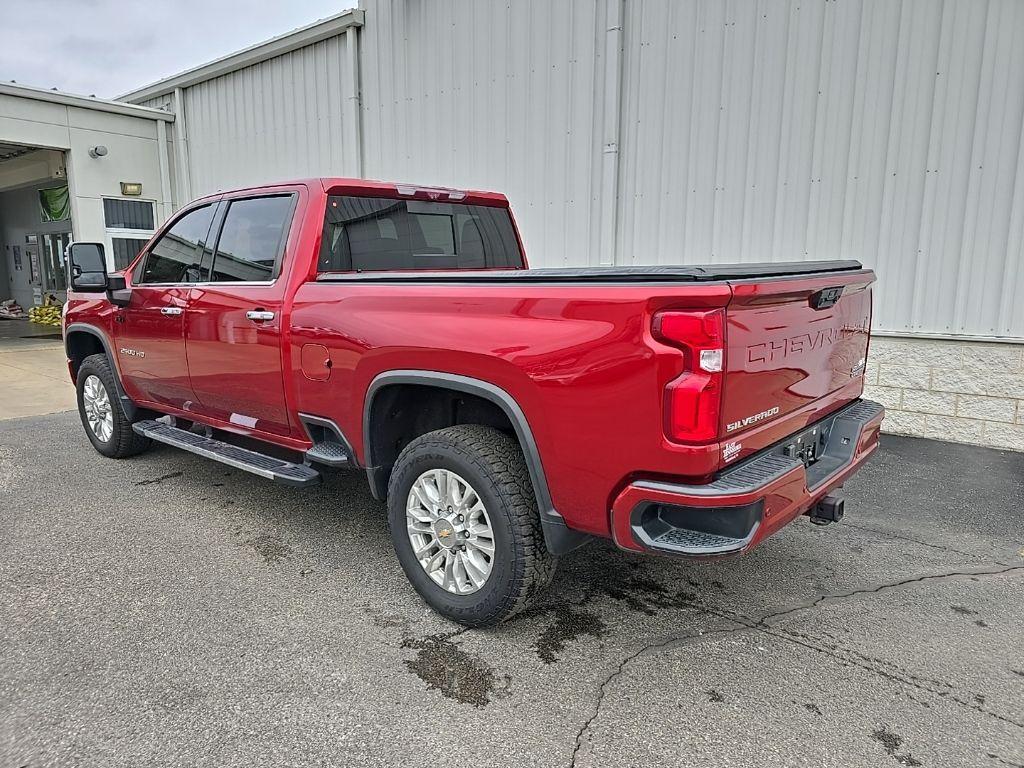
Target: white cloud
x=109, y=47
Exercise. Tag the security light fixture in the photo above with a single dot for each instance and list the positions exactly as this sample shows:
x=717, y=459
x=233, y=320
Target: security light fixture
x=98, y=151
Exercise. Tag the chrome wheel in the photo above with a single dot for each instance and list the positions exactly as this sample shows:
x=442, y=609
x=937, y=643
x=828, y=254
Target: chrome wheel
x=96, y=403
x=450, y=532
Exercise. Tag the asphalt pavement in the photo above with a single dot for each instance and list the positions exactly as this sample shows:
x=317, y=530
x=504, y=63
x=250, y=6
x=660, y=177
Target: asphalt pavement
x=165, y=610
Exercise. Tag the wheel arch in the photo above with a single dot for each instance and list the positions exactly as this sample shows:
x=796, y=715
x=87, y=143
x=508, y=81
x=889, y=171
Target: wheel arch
x=80, y=341
x=558, y=536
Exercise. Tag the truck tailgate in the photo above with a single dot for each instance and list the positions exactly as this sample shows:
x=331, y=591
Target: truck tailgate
x=793, y=345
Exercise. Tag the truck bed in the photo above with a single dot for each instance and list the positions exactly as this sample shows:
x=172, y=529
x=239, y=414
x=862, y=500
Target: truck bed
x=609, y=275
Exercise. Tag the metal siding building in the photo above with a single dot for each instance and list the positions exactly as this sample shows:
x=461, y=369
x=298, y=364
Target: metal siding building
x=669, y=131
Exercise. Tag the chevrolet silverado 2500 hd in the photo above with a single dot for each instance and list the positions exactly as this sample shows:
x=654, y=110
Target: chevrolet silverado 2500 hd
x=505, y=414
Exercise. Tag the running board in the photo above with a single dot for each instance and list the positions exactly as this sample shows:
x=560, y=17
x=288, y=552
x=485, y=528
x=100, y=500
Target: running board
x=279, y=471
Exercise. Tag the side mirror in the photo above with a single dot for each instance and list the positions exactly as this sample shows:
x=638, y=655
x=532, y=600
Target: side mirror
x=88, y=265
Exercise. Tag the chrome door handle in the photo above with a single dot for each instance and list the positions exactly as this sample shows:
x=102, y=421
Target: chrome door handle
x=259, y=314
x=171, y=310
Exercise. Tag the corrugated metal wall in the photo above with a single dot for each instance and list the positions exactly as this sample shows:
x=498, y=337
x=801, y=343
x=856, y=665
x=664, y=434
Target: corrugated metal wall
x=492, y=95
x=276, y=120
x=884, y=130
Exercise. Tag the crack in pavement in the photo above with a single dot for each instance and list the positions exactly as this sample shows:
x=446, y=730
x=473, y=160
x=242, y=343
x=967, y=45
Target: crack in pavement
x=903, y=537
x=891, y=585
x=746, y=623
x=671, y=641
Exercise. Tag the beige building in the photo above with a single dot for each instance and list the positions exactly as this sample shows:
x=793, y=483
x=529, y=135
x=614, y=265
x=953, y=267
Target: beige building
x=75, y=168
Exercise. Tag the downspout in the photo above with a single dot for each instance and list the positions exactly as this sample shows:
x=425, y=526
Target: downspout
x=163, y=149
x=354, y=113
x=181, y=148
x=610, y=137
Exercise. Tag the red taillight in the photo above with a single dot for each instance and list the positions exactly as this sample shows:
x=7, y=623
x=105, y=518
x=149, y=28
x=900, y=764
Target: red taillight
x=693, y=399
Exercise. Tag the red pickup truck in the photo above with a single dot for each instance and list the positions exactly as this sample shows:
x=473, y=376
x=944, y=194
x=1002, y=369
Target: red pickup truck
x=506, y=414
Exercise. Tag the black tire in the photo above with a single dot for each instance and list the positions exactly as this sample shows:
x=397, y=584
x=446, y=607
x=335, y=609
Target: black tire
x=123, y=440
x=493, y=464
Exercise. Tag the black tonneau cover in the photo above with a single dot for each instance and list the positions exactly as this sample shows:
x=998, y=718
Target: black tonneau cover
x=661, y=274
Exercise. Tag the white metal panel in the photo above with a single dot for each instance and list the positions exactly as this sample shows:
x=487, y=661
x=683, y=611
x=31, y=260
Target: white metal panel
x=276, y=120
x=493, y=95
x=889, y=132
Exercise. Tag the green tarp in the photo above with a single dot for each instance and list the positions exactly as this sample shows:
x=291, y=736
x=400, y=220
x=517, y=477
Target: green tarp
x=55, y=203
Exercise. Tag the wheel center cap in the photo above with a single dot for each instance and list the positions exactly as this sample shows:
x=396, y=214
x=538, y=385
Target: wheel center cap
x=444, y=530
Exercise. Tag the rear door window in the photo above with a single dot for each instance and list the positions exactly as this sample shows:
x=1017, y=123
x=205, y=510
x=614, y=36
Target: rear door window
x=252, y=239
x=374, y=234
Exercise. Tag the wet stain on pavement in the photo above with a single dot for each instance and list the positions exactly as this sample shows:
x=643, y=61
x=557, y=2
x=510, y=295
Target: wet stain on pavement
x=158, y=480
x=890, y=743
x=570, y=624
x=270, y=548
x=715, y=696
x=457, y=674
x=625, y=584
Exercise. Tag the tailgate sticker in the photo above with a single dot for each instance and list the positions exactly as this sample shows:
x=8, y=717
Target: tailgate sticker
x=731, y=450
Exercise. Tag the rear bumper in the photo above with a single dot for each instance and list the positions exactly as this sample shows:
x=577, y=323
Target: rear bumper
x=750, y=501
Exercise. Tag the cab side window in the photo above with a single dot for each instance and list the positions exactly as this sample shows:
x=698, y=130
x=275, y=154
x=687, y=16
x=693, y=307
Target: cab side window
x=252, y=239
x=175, y=257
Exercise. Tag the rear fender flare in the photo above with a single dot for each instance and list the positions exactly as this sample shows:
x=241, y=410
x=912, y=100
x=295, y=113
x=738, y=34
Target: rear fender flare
x=559, y=537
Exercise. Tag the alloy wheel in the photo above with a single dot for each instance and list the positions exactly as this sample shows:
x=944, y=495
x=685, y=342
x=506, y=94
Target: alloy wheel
x=450, y=531
x=98, y=413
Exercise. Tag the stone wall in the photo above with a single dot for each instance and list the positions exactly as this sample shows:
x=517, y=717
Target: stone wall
x=963, y=391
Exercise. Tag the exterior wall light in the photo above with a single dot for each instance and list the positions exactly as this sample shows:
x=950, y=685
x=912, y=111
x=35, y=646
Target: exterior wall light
x=98, y=151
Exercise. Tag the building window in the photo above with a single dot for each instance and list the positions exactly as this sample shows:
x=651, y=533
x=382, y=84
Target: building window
x=130, y=225
x=128, y=214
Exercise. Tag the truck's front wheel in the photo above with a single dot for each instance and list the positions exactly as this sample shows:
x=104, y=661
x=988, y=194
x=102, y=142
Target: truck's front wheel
x=108, y=428
x=464, y=523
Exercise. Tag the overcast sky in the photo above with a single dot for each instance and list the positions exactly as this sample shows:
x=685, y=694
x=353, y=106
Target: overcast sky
x=108, y=47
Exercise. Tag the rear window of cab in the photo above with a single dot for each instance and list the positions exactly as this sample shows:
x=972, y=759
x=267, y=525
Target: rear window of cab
x=370, y=234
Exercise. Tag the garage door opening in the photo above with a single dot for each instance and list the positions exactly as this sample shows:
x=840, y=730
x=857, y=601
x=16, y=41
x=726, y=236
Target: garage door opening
x=35, y=227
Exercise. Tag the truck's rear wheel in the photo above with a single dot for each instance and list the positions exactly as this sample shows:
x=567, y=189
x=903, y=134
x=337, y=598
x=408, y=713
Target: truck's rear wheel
x=465, y=526
x=106, y=425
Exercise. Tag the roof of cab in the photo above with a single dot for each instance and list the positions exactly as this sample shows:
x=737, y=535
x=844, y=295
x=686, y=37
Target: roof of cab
x=375, y=188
